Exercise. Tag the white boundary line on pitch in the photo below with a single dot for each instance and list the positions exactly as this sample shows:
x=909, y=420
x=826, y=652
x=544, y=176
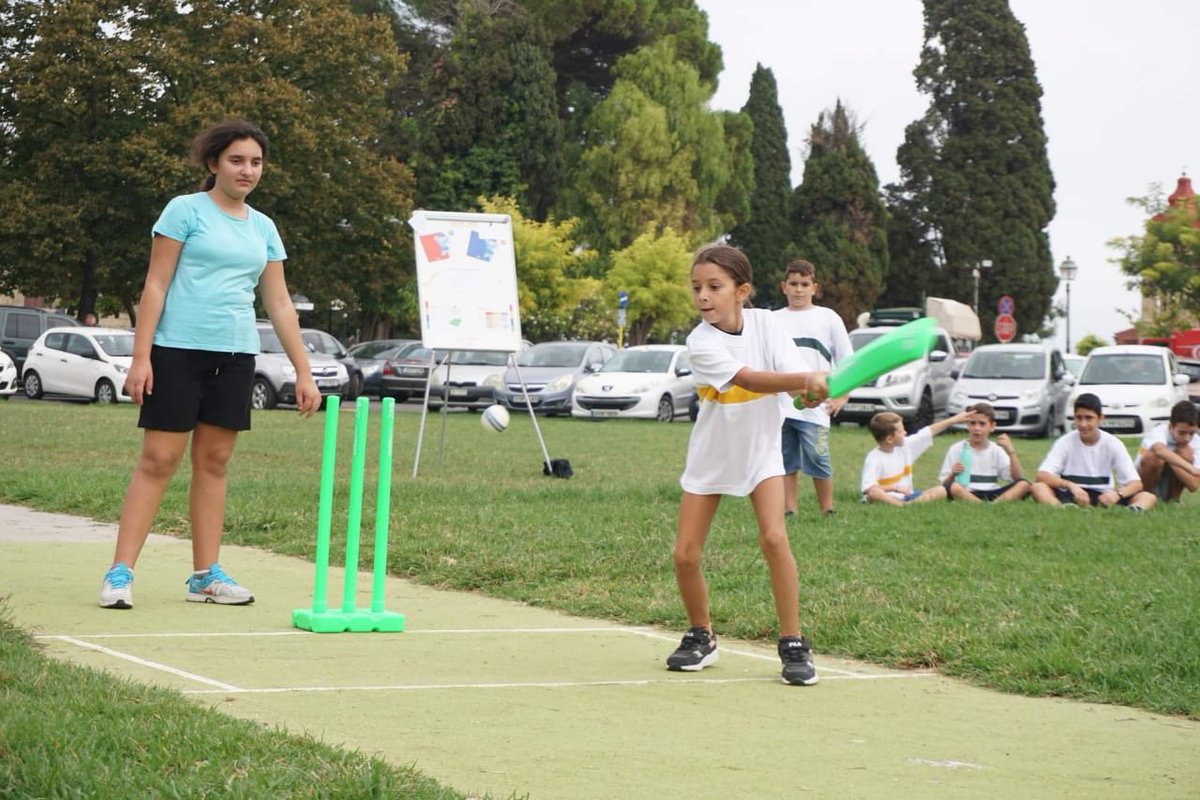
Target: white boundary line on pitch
x=829, y=673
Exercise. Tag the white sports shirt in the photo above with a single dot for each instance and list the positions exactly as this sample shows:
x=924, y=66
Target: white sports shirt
x=1161, y=434
x=735, y=440
x=1090, y=466
x=990, y=467
x=820, y=336
x=893, y=471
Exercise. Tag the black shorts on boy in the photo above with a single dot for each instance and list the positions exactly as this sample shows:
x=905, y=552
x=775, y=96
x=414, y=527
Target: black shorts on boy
x=1065, y=496
x=193, y=386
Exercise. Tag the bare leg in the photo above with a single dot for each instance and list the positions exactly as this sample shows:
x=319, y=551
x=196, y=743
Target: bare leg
x=824, y=490
x=1017, y=491
x=791, y=492
x=767, y=498
x=212, y=447
x=161, y=453
x=696, y=512
x=1044, y=494
x=1150, y=468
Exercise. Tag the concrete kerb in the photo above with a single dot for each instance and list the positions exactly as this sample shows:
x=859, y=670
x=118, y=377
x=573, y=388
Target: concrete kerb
x=489, y=695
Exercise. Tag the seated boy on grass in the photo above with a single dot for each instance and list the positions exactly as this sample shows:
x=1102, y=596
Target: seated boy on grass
x=979, y=470
x=1079, y=467
x=1169, y=459
x=887, y=470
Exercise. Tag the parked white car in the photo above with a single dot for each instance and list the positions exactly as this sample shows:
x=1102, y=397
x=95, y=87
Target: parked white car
x=652, y=381
x=79, y=362
x=1137, y=384
x=8, y=375
x=467, y=378
x=1026, y=384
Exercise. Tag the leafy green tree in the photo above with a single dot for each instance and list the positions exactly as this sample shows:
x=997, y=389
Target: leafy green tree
x=975, y=178
x=654, y=271
x=492, y=124
x=657, y=156
x=114, y=92
x=765, y=235
x=1089, y=342
x=1164, y=262
x=839, y=219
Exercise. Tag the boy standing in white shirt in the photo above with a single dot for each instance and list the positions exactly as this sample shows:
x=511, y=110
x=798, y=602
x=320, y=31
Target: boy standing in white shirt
x=1079, y=467
x=820, y=337
x=1169, y=459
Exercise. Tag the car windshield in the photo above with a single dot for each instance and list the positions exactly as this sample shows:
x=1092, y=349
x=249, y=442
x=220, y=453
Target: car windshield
x=1134, y=369
x=639, y=361
x=553, y=355
x=268, y=342
x=478, y=358
x=115, y=344
x=379, y=349
x=858, y=339
x=1006, y=366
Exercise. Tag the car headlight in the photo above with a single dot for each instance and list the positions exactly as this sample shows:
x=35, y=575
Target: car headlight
x=1162, y=401
x=958, y=396
x=584, y=386
x=1031, y=394
x=121, y=369
x=896, y=378
x=560, y=383
x=494, y=381
x=288, y=371
x=642, y=389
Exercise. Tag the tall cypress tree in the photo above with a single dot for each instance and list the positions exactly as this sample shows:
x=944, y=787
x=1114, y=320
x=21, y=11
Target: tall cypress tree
x=764, y=236
x=975, y=179
x=838, y=217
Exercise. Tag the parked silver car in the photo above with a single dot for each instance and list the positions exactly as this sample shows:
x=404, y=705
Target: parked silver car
x=1027, y=385
x=550, y=370
x=275, y=377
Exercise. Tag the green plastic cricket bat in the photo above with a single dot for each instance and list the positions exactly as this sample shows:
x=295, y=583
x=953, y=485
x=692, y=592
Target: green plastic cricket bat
x=894, y=349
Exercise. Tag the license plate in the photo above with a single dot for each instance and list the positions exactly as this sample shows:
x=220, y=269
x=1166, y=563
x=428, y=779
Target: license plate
x=412, y=371
x=604, y=412
x=1120, y=423
x=862, y=408
x=1003, y=416
x=327, y=383
x=458, y=392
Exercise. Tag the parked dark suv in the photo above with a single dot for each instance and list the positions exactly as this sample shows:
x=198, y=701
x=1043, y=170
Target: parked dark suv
x=20, y=327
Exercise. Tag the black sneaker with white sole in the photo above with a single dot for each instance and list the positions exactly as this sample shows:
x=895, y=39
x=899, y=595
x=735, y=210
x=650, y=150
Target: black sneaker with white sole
x=798, y=667
x=697, y=651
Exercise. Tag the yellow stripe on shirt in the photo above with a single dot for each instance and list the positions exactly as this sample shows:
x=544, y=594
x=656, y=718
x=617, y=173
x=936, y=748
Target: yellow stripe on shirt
x=892, y=480
x=735, y=394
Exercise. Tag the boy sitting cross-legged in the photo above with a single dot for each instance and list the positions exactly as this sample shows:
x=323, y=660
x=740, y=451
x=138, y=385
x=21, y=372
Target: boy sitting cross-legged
x=1079, y=467
x=887, y=470
x=979, y=470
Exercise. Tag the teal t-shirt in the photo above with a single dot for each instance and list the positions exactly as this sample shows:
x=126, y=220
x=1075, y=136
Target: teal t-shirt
x=210, y=302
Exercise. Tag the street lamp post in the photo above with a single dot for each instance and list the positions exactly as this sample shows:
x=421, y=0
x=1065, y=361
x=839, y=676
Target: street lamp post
x=1067, y=269
x=982, y=265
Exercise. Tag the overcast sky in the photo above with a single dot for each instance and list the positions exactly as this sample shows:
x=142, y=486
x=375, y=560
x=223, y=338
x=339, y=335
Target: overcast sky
x=1119, y=103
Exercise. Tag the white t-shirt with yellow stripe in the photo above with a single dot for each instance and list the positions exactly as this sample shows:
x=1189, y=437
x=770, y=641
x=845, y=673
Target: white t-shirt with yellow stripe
x=893, y=471
x=735, y=441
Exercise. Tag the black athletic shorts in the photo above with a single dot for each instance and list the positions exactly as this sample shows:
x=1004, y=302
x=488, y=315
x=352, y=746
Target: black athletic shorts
x=1064, y=496
x=193, y=386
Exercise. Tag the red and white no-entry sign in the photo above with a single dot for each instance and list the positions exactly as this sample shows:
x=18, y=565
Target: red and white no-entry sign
x=1006, y=327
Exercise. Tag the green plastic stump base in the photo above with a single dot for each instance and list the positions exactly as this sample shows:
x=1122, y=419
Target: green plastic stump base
x=337, y=621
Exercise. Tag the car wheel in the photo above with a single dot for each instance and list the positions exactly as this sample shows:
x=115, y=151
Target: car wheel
x=33, y=385
x=924, y=415
x=399, y=397
x=262, y=396
x=105, y=392
x=354, y=388
x=666, y=409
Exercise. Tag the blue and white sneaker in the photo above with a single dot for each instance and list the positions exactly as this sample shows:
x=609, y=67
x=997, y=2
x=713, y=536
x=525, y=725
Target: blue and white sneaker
x=217, y=587
x=116, y=590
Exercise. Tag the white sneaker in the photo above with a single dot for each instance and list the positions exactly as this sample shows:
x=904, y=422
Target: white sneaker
x=116, y=590
x=217, y=587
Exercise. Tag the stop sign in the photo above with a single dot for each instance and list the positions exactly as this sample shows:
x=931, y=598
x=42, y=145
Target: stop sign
x=1006, y=327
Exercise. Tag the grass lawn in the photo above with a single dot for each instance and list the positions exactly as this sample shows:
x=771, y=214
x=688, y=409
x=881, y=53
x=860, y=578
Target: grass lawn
x=1091, y=604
